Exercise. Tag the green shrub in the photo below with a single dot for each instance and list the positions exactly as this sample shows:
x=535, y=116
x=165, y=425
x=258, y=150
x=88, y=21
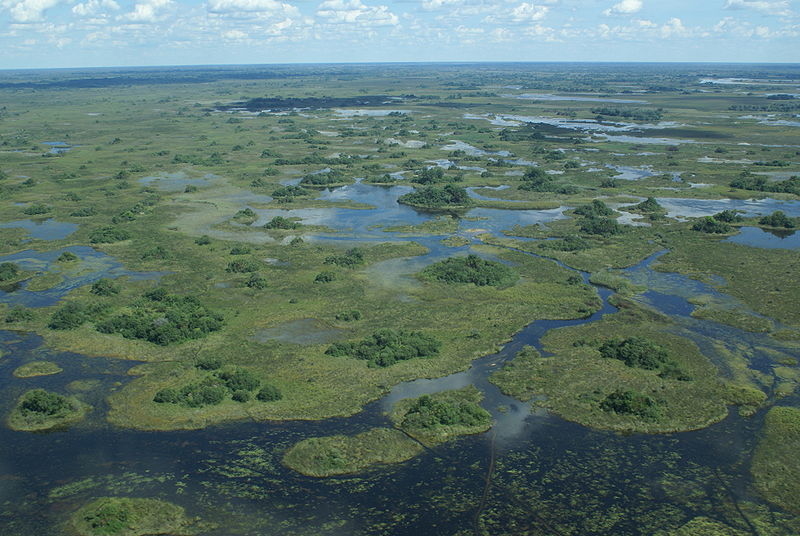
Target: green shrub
x=728, y=216
x=352, y=258
x=636, y=352
x=349, y=316
x=428, y=413
x=777, y=219
x=279, y=222
x=8, y=270
x=600, y=226
x=45, y=403
x=19, y=313
x=208, y=363
x=36, y=208
x=67, y=256
x=105, y=287
x=385, y=347
x=257, y=282
x=269, y=393
x=107, y=235
x=239, y=380
x=595, y=209
x=631, y=403
x=708, y=224
x=239, y=266
x=203, y=240
x=471, y=269
x=449, y=195
x=325, y=277
x=240, y=396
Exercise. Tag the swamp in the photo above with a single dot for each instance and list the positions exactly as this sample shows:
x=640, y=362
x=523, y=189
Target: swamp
x=400, y=299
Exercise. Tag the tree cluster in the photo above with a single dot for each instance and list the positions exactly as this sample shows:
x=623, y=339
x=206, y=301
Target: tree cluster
x=471, y=269
x=429, y=413
x=385, y=347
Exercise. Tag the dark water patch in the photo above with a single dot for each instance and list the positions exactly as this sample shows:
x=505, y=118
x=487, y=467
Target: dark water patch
x=43, y=230
x=766, y=238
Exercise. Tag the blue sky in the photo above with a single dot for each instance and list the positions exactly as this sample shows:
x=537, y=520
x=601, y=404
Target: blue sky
x=83, y=33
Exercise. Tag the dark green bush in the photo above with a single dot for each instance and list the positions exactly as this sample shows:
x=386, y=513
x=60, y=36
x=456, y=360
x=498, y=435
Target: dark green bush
x=471, y=269
x=239, y=266
x=239, y=380
x=107, y=235
x=631, y=403
x=429, y=413
x=777, y=219
x=708, y=224
x=351, y=258
x=19, y=313
x=41, y=402
x=279, y=222
x=269, y=393
x=8, y=270
x=449, y=195
x=385, y=347
x=595, y=209
x=105, y=287
x=325, y=277
x=600, y=226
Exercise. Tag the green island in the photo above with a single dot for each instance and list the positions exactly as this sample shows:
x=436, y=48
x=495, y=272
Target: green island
x=626, y=372
x=126, y=516
x=340, y=455
x=38, y=410
x=37, y=368
x=443, y=416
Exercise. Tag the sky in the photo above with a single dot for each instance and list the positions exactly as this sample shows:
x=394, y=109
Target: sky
x=101, y=33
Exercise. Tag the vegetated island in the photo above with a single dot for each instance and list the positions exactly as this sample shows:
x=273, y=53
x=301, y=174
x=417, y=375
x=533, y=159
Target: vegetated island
x=626, y=372
x=123, y=516
x=440, y=417
x=37, y=368
x=38, y=410
x=447, y=197
x=471, y=269
x=341, y=454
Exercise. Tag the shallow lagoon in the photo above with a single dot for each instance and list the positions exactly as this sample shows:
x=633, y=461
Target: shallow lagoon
x=49, y=229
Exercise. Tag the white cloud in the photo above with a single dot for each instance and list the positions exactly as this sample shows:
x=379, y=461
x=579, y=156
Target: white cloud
x=28, y=10
x=94, y=7
x=625, y=7
x=234, y=35
x=674, y=27
x=775, y=7
x=249, y=6
x=528, y=12
x=147, y=11
x=436, y=4
x=354, y=12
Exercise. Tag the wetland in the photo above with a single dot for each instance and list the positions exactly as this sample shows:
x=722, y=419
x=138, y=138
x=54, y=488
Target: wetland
x=295, y=302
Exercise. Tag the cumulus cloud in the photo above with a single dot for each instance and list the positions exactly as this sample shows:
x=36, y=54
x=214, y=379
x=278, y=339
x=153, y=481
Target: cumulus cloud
x=775, y=7
x=355, y=12
x=528, y=12
x=436, y=4
x=674, y=27
x=625, y=7
x=94, y=7
x=147, y=11
x=28, y=10
x=222, y=7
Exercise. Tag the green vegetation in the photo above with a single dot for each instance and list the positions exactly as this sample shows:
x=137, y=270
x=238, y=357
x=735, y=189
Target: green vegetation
x=759, y=183
x=600, y=226
x=578, y=380
x=107, y=235
x=777, y=219
x=471, y=269
x=351, y=258
x=39, y=410
x=289, y=192
x=215, y=387
x=775, y=467
x=8, y=271
x=281, y=223
x=448, y=196
x=158, y=317
x=385, y=347
x=631, y=403
x=246, y=216
x=338, y=455
x=67, y=256
x=595, y=209
x=37, y=368
x=105, y=287
x=123, y=516
x=19, y=313
x=433, y=419
x=648, y=206
x=708, y=224
x=728, y=216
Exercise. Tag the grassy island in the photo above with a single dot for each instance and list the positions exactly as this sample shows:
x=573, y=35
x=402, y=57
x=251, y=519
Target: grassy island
x=434, y=419
x=448, y=196
x=339, y=454
x=37, y=368
x=38, y=410
x=122, y=516
x=626, y=372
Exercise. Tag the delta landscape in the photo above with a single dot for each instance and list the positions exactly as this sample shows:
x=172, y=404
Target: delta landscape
x=400, y=299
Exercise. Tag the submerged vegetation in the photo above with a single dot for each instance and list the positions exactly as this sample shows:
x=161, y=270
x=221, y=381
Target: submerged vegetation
x=776, y=468
x=339, y=455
